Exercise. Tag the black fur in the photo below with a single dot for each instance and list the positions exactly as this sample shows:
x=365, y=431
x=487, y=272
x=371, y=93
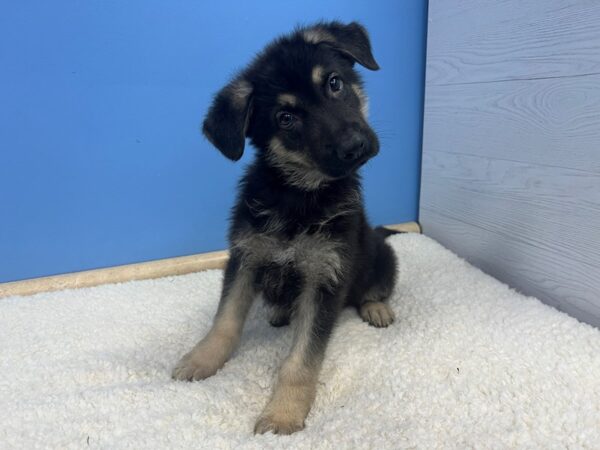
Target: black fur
x=299, y=225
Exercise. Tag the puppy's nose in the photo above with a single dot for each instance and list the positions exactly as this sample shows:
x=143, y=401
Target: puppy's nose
x=352, y=147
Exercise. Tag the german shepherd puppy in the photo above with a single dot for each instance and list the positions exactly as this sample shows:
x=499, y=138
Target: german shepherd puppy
x=298, y=231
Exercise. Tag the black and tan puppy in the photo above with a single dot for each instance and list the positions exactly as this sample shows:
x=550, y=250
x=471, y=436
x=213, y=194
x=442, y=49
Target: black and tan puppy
x=298, y=233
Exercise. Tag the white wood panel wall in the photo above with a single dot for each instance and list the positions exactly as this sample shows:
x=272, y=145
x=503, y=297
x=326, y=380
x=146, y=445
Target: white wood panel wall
x=511, y=145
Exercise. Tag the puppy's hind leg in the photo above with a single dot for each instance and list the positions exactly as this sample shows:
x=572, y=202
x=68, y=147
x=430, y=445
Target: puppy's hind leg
x=211, y=353
x=374, y=308
x=378, y=314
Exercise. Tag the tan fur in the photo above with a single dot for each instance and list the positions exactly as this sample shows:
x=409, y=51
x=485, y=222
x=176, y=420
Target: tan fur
x=364, y=100
x=317, y=257
x=287, y=99
x=294, y=165
x=289, y=405
x=277, y=147
x=295, y=389
x=317, y=75
x=211, y=353
x=378, y=314
x=240, y=91
x=317, y=35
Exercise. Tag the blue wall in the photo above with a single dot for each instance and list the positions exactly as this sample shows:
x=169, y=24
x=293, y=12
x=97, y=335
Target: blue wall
x=101, y=160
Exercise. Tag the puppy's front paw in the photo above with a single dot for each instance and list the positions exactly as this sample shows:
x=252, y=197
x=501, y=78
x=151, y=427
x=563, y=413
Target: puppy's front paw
x=378, y=314
x=278, y=424
x=196, y=365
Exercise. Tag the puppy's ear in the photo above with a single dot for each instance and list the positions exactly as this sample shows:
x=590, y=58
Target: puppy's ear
x=226, y=123
x=351, y=39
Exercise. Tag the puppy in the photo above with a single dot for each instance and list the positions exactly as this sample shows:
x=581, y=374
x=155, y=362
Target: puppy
x=298, y=231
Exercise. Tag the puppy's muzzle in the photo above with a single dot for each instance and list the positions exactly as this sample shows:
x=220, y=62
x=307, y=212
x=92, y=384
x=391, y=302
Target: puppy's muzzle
x=352, y=147
x=355, y=148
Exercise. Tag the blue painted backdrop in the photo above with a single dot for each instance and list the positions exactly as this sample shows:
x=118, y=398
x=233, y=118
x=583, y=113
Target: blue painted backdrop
x=101, y=160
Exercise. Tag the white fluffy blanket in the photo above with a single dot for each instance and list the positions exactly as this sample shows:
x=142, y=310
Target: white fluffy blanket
x=468, y=364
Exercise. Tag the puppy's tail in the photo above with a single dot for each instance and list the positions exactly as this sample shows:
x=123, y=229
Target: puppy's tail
x=385, y=232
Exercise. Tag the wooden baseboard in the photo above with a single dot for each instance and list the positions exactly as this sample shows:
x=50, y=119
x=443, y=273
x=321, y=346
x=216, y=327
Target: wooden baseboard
x=118, y=274
x=140, y=271
x=407, y=227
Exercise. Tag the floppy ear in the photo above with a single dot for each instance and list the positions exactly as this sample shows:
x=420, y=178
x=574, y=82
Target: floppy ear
x=226, y=123
x=351, y=39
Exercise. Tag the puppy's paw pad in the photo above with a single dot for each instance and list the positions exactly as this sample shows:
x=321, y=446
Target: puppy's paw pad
x=193, y=367
x=276, y=425
x=378, y=314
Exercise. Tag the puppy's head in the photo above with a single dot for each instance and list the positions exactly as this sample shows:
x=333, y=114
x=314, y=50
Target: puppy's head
x=302, y=105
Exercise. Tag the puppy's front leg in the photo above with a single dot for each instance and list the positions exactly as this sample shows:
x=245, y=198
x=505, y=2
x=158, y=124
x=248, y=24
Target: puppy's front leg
x=295, y=388
x=211, y=353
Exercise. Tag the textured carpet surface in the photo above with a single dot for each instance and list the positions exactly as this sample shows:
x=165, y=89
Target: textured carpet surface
x=468, y=364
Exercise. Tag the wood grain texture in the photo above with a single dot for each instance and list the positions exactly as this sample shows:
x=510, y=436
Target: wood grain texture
x=118, y=274
x=511, y=145
x=539, y=233
x=490, y=40
x=548, y=122
x=511, y=259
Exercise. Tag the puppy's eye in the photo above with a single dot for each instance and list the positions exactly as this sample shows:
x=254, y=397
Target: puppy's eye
x=335, y=83
x=285, y=119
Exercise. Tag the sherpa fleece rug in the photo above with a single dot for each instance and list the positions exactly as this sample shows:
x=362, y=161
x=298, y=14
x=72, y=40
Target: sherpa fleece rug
x=469, y=363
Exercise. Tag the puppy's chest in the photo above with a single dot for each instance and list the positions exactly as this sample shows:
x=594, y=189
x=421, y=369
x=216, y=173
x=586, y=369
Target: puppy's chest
x=315, y=258
x=300, y=217
x=305, y=238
